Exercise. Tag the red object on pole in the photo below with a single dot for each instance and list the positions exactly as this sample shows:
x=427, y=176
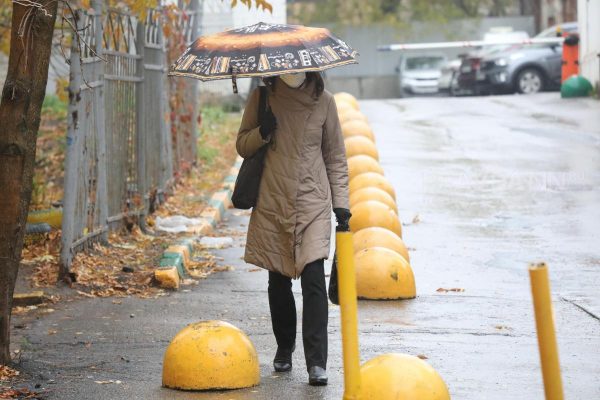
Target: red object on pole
x=570, y=58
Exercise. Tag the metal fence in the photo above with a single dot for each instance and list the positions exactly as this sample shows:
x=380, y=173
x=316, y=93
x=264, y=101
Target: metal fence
x=122, y=152
x=184, y=126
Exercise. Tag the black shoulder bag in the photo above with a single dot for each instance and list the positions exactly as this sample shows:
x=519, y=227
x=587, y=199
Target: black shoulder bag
x=247, y=183
x=333, y=291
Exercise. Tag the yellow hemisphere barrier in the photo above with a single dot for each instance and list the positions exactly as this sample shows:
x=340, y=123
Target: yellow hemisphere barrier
x=371, y=213
x=210, y=355
x=344, y=107
x=361, y=164
x=383, y=274
x=349, y=114
x=372, y=179
x=544, y=321
x=379, y=237
x=343, y=97
x=373, y=193
x=360, y=145
x=348, y=311
x=357, y=128
x=401, y=376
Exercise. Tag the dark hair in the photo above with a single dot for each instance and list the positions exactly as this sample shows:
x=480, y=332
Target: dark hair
x=310, y=77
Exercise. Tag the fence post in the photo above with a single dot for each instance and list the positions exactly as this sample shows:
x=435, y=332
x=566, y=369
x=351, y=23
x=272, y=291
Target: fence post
x=196, y=11
x=140, y=123
x=72, y=153
x=166, y=147
x=101, y=195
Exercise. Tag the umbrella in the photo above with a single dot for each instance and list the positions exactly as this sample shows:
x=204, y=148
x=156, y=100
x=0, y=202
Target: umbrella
x=262, y=50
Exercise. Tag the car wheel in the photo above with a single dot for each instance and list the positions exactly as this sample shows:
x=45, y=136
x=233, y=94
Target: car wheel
x=529, y=81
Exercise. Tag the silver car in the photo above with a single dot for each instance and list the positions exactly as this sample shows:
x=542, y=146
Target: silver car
x=420, y=74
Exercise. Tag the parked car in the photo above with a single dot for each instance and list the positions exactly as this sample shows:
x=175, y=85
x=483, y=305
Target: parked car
x=419, y=74
x=524, y=69
x=471, y=64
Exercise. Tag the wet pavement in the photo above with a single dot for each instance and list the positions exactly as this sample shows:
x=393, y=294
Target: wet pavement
x=496, y=183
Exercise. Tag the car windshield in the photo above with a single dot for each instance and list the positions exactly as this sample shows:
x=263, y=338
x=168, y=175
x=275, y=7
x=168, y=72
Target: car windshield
x=419, y=63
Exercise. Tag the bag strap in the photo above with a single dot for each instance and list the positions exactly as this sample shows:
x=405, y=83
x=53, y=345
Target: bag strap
x=262, y=103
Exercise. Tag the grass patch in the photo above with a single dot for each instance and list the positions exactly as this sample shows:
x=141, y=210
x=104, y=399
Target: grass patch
x=54, y=107
x=217, y=136
x=50, y=154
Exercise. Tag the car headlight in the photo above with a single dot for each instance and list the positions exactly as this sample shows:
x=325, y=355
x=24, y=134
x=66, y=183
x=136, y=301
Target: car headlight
x=501, y=62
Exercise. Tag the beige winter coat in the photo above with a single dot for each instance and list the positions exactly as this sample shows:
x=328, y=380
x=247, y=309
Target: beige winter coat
x=305, y=174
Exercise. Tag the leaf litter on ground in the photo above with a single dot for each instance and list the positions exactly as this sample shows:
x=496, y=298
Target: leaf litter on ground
x=105, y=270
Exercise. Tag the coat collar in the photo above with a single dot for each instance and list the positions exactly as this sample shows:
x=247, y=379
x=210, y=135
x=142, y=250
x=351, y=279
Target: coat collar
x=298, y=99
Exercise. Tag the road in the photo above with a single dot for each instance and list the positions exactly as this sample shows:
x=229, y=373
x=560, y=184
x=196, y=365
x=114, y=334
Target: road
x=496, y=183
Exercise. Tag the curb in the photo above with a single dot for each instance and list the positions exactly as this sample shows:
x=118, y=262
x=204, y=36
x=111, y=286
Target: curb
x=175, y=259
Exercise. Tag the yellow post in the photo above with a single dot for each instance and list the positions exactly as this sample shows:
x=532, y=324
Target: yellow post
x=544, y=321
x=348, y=311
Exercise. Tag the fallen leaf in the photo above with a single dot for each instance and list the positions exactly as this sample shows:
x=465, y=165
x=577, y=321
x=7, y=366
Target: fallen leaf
x=503, y=327
x=443, y=290
x=422, y=356
x=6, y=373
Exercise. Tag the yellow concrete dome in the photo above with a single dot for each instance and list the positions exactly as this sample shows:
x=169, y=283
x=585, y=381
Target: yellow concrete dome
x=373, y=193
x=371, y=213
x=361, y=164
x=347, y=113
x=401, y=376
x=357, y=128
x=372, y=179
x=379, y=237
x=343, y=97
x=210, y=355
x=383, y=274
x=344, y=108
x=360, y=145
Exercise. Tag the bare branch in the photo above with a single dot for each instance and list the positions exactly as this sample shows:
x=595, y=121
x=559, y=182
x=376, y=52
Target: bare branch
x=34, y=5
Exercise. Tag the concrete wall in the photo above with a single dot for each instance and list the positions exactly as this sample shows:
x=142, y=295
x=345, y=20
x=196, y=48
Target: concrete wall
x=365, y=87
x=589, y=30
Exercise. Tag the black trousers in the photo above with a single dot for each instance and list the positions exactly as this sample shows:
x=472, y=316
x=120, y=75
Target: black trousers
x=314, y=316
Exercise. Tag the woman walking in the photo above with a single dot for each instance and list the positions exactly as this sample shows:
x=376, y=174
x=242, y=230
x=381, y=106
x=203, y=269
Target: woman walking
x=305, y=175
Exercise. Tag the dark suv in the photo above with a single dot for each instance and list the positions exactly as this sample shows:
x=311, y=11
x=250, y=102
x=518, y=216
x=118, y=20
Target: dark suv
x=524, y=68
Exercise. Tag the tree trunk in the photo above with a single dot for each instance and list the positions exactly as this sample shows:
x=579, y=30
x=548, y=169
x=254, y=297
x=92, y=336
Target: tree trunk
x=20, y=110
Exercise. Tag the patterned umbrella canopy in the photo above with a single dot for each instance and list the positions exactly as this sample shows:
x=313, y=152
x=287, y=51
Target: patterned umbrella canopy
x=263, y=50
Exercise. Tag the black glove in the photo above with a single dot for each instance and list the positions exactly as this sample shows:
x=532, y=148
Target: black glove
x=342, y=216
x=268, y=125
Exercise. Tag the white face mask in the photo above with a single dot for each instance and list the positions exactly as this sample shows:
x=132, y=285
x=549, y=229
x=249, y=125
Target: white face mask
x=294, y=80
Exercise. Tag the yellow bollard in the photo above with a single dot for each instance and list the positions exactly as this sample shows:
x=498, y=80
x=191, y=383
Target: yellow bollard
x=544, y=321
x=348, y=311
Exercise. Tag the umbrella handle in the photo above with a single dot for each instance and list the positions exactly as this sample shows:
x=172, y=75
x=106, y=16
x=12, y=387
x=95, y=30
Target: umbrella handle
x=233, y=71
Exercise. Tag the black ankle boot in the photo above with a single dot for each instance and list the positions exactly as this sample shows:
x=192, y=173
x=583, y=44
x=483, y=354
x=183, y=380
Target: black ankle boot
x=283, y=359
x=317, y=376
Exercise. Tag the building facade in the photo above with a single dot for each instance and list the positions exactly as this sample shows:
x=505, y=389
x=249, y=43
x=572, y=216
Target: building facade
x=589, y=45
